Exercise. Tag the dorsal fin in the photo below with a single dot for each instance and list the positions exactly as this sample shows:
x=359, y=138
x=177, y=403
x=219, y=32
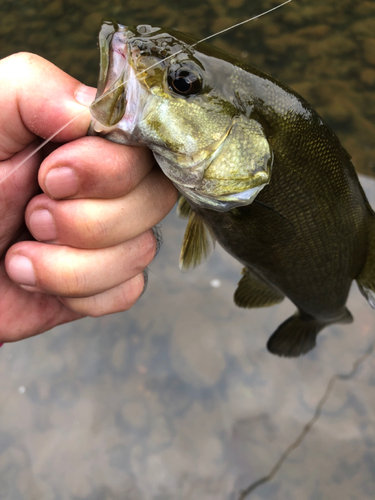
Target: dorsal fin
x=197, y=244
x=183, y=208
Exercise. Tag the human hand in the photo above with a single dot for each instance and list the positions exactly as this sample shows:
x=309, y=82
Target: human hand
x=93, y=223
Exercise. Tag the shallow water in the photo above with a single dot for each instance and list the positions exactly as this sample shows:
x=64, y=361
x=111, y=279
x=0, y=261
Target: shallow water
x=178, y=398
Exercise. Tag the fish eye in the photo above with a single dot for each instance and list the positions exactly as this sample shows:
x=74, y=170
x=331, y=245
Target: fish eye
x=184, y=81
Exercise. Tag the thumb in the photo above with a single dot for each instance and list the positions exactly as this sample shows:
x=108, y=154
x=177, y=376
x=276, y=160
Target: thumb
x=37, y=99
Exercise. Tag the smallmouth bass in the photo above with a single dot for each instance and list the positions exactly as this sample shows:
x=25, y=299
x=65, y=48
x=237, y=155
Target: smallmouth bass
x=258, y=170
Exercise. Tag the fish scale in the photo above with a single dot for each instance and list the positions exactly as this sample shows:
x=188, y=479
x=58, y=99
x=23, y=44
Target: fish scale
x=278, y=191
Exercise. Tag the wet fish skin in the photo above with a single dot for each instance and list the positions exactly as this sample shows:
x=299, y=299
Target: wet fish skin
x=306, y=235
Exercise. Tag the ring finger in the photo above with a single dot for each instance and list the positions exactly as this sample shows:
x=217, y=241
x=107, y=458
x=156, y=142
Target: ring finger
x=93, y=223
x=70, y=272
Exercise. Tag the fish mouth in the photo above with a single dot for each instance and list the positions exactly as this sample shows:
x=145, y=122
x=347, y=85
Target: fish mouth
x=118, y=96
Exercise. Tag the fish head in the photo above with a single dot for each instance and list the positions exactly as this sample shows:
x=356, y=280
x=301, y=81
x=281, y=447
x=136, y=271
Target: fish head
x=156, y=89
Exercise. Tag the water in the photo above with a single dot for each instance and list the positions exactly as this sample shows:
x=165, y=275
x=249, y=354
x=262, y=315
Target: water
x=178, y=397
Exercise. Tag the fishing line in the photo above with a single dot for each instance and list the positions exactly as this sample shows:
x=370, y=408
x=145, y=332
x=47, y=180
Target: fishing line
x=140, y=73
x=46, y=141
x=242, y=22
x=190, y=47
x=307, y=428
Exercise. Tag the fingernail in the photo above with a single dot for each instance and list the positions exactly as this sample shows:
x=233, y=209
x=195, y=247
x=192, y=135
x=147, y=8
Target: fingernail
x=20, y=270
x=61, y=182
x=1, y=345
x=42, y=226
x=85, y=95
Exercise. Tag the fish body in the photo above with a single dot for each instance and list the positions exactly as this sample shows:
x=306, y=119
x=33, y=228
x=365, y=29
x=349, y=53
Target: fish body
x=258, y=169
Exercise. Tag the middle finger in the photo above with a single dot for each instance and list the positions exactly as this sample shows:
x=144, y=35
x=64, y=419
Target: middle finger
x=93, y=223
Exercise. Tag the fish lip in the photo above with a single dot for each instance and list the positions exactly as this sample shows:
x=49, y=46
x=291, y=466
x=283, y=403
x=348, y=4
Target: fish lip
x=117, y=103
x=109, y=99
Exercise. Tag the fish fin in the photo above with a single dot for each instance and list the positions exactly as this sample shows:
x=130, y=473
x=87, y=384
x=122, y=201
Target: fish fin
x=91, y=129
x=184, y=209
x=252, y=291
x=366, y=278
x=297, y=335
x=197, y=244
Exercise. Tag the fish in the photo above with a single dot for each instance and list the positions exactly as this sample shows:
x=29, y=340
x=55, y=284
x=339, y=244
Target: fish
x=258, y=171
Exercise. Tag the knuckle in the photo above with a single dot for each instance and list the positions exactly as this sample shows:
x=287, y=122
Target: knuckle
x=91, y=227
x=94, y=310
x=89, y=231
x=87, y=306
x=19, y=64
x=63, y=271
x=21, y=57
x=72, y=283
x=112, y=301
x=128, y=294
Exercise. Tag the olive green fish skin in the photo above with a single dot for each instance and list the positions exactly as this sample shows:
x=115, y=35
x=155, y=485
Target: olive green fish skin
x=306, y=234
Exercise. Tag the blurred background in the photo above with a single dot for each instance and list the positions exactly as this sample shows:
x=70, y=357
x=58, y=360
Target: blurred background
x=178, y=398
x=323, y=49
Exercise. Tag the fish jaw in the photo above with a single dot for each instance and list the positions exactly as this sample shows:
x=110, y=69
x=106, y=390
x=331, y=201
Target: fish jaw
x=237, y=169
x=120, y=97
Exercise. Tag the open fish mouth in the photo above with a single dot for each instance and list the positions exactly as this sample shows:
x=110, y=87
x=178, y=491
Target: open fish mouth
x=117, y=101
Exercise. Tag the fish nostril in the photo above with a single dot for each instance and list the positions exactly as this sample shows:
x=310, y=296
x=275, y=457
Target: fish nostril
x=143, y=29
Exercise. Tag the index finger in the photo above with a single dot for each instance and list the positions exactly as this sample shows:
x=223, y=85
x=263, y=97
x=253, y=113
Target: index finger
x=93, y=167
x=37, y=99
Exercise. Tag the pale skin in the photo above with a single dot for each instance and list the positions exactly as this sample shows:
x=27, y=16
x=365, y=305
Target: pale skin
x=89, y=235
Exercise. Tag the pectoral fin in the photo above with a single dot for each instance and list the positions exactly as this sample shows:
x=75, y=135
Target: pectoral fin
x=197, y=244
x=183, y=208
x=297, y=335
x=366, y=278
x=252, y=291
